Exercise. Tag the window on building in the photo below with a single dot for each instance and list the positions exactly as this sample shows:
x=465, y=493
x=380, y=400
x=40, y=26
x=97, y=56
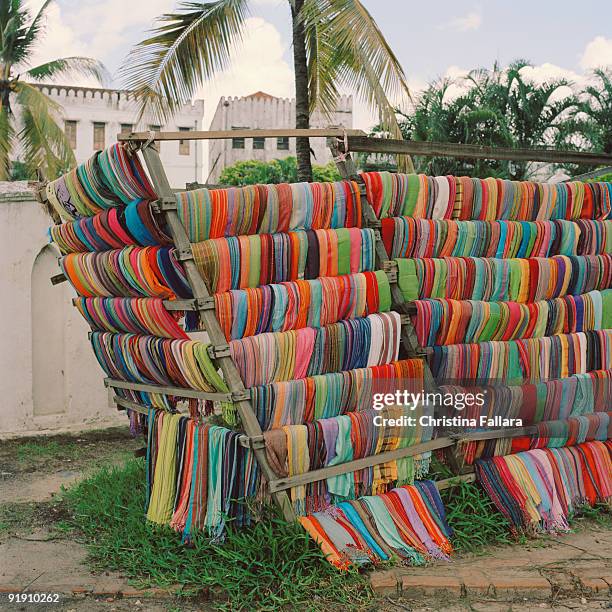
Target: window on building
x=99, y=136
x=184, y=144
x=237, y=143
x=282, y=143
x=70, y=129
x=259, y=142
x=126, y=128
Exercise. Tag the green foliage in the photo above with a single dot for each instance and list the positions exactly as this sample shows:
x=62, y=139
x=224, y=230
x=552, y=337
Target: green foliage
x=20, y=172
x=475, y=520
x=591, y=120
x=271, y=565
x=253, y=172
x=603, y=178
x=504, y=108
x=42, y=140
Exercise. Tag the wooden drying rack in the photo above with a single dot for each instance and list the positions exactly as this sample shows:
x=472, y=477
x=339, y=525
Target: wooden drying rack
x=340, y=142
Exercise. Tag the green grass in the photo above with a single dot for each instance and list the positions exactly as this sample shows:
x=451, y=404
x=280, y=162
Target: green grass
x=269, y=566
x=475, y=520
x=43, y=449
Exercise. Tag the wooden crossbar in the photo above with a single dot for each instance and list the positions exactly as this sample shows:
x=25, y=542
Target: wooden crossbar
x=165, y=390
x=282, y=484
x=388, y=146
x=227, y=134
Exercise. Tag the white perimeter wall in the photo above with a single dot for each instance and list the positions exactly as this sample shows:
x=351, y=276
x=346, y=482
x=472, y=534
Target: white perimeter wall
x=49, y=377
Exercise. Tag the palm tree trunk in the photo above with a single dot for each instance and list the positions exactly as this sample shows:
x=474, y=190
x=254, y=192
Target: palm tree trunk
x=302, y=110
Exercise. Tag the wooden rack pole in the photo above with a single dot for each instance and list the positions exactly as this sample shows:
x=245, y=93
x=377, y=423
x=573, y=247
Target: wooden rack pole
x=359, y=464
x=166, y=390
x=387, y=146
x=143, y=137
x=209, y=320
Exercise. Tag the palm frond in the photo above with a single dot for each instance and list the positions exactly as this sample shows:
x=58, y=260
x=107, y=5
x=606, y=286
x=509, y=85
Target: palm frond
x=356, y=56
x=186, y=49
x=41, y=139
x=14, y=42
x=7, y=137
x=322, y=73
x=70, y=66
x=36, y=24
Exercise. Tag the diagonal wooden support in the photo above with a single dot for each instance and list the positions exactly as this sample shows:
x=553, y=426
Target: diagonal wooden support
x=209, y=320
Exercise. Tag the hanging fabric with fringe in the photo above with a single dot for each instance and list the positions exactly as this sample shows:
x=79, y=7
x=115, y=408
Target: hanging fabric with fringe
x=112, y=228
x=346, y=345
x=519, y=361
x=417, y=238
x=130, y=315
x=539, y=489
x=295, y=449
x=502, y=280
x=489, y=199
x=109, y=178
x=158, y=361
x=294, y=402
x=198, y=476
x=441, y=321
x=269, y=209
x=408, y=522
x=567, y=432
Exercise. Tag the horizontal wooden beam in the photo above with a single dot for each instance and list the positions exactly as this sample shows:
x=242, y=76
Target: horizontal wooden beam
x=226, y=134
x=175, y=391
x=123, y=404
x=494, y=434
x=368, y=144
x=180, y=305
x=127, y=404
x=453, y=481
x=282, y=484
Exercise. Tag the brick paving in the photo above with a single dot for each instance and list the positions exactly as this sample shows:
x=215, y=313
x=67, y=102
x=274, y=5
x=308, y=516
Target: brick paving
x=547, y=569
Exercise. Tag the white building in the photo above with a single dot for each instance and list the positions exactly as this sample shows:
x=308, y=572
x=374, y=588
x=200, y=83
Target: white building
x=263, y=111
x=49, y=376
x=92, y=118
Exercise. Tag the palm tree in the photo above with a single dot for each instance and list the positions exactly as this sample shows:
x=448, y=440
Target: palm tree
x=498, y=107
x=592, y=118
x=336, y=44
x=41, y=141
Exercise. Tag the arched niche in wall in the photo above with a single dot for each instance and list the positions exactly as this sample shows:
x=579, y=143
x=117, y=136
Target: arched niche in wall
x=48, y=350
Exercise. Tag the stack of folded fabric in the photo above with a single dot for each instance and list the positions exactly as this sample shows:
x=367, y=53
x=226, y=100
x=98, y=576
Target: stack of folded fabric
x=489, y=199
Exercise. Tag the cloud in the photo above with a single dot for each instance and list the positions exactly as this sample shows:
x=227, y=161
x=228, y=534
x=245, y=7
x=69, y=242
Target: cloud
x=257, y=64
x=102, y=30
x=57, y=40
x=467, y=23
x=597, y=54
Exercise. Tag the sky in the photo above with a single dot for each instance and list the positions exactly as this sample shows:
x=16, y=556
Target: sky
x=431, y=40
